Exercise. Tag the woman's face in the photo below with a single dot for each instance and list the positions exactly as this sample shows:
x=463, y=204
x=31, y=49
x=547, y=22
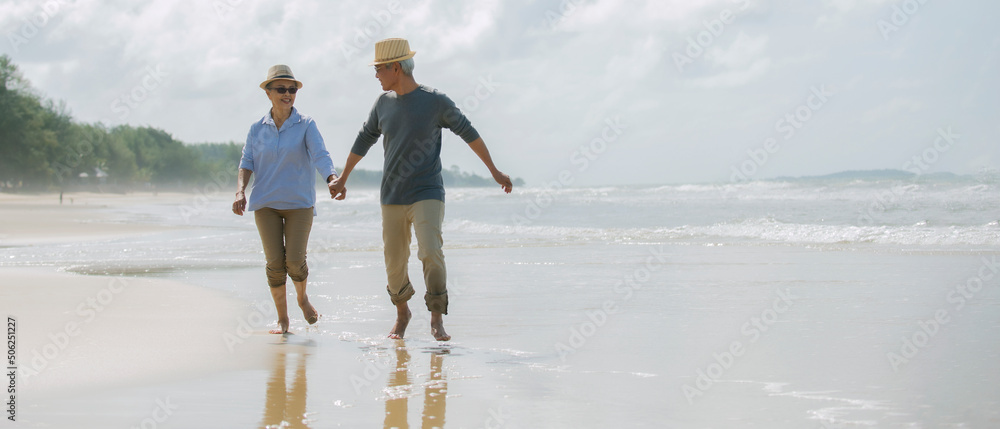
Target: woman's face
x=284, y=101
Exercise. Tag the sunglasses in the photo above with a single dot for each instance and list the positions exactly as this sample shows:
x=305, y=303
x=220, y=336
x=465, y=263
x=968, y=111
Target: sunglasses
x=282, y=90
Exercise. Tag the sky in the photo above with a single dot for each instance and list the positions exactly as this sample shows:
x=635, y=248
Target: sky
x=564, y=92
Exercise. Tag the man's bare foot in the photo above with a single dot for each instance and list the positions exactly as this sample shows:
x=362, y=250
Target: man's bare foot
x=439, y=333
x=308, y=311
x=283, y=324
x=437, y=327
x=402, y=319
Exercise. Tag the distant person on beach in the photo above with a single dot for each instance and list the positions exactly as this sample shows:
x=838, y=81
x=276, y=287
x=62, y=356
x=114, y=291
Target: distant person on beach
x=283, y=148
x=410, y=117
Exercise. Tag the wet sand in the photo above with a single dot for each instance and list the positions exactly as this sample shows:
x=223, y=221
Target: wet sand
x=585, y=334
x=139, y=351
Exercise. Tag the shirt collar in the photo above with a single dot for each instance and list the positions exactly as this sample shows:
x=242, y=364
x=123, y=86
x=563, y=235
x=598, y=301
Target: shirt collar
x=294, y=118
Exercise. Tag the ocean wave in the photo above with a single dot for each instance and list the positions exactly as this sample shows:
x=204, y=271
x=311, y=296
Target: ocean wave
x=920, y=234
x=758, y=230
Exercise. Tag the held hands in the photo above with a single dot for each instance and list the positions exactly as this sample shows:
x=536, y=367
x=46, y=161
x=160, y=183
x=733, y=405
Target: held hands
x=338, y=188
x=240, y=205
x=503, y=180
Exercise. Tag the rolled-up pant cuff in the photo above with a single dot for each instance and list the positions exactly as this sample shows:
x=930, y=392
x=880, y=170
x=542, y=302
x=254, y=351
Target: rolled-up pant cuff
x=404, y=294
x=437, y=302
x=298, y=271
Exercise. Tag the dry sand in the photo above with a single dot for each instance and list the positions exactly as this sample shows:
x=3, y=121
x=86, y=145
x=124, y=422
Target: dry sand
x=84, y=332
x=40, y=218
x=78, y=334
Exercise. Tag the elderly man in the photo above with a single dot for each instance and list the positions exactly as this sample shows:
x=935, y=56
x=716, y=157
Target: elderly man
x=410, y=116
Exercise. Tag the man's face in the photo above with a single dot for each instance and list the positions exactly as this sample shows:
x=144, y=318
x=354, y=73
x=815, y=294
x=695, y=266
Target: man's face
x=387, y=74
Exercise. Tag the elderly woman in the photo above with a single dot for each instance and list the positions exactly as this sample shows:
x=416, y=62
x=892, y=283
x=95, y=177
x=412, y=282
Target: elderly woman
x=282, y=148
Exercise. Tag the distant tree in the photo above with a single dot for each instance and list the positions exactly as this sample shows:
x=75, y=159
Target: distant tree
x=29, y=129
x=41, y=147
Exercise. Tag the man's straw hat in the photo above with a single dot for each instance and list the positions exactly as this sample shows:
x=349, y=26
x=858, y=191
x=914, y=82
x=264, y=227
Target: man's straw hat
x=392, y=50
x=280, y=71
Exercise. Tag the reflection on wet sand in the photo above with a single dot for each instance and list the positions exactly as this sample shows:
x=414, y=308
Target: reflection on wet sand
x=435, y=393
x=400, y=385
x=398, y=390
x=286, y=408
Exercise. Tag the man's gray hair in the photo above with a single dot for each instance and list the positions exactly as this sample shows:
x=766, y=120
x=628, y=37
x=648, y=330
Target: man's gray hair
x=407, y=66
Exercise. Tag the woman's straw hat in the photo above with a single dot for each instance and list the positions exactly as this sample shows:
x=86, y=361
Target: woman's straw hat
x=392, y=50
x=280, y=71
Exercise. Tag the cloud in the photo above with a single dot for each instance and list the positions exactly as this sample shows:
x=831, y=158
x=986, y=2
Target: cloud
x=743, y=51
x=562, y=67
x=893, y=107
x=631, y=17
x=907, y=83
x=468, y=23
x=742, y=62
x=733, y=78
x=848, y=6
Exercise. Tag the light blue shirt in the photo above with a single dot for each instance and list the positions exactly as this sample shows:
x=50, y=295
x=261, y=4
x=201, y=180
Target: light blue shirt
x=282, y=162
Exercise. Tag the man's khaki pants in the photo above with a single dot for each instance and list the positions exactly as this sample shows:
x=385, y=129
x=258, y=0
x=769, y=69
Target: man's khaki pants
x=425, y=218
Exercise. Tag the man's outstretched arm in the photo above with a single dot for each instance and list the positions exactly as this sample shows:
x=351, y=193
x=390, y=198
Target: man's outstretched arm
x=479, y=147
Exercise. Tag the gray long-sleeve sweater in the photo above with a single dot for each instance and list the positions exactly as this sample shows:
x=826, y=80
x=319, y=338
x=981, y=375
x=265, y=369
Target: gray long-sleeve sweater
x=412, y=125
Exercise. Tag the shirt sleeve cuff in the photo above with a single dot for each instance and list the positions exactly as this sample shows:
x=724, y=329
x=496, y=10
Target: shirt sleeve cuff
x=470, y=136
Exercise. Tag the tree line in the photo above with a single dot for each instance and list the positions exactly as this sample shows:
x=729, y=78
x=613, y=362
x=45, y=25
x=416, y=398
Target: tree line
x=43, y=148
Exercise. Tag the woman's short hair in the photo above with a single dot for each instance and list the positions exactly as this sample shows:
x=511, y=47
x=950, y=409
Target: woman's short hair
x=407, y=66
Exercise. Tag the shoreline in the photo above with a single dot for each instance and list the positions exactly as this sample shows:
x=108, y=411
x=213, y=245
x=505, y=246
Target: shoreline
x=41, y=219
x=77, y=333
x=82, y=331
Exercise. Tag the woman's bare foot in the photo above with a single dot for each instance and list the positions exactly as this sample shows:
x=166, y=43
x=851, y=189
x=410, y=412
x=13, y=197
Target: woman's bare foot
x=402, y=319
x=437, y=327
x=308, y=311
x=283, y=325
x=281, y=306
